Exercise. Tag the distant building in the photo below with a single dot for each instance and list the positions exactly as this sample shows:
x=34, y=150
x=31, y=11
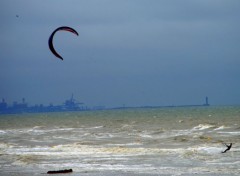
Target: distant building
x=206, y=102
x=22, y=105
x=71, y=104
x=3, y=105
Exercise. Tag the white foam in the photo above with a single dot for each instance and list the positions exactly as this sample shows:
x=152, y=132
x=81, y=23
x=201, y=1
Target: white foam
x=38, y=130
x=125, y=126
x=209, y=150
x=221, y=128
x=103, y=135
x=127, y=144
x=96, y=127
x=2, y=132
x=230, y=132
x=145, y=136
x=94, y=151
x=38, y=127
x=202, y=127
x=3, y=146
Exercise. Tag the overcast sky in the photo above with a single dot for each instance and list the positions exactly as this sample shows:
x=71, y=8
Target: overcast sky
x=132, y=52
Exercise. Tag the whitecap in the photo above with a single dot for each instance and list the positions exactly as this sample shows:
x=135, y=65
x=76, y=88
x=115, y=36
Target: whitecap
x=127, y=144
x=38, y=127
x=2, y=132
x=126, y=126
x=221, y=128
x=230, y=132
x=103, y=135
x=209, y=150
x=96, y=127
x=203, y=127
x=4, y=146
x=145, y=136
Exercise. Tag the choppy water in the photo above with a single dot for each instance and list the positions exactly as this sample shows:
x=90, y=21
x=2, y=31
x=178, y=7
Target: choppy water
x=163, y=141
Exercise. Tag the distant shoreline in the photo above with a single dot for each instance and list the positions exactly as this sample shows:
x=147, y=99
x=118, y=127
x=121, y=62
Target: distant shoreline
x=48, y=109
x=70, y=105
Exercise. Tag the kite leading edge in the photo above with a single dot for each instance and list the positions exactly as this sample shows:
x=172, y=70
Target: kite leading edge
x=50, y=40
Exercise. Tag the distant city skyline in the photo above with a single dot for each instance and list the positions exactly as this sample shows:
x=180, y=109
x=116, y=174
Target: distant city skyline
x=73, y=100
x=73, y=105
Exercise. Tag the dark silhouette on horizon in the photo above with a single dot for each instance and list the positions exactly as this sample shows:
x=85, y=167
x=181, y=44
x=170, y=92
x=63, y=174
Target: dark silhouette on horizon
x=71, y=105
x=228, y=147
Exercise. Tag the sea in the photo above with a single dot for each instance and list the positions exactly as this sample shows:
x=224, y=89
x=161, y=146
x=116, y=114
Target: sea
x=170, y=141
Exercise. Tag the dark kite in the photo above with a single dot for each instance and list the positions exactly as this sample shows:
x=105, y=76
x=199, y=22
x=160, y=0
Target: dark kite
x=50, y=40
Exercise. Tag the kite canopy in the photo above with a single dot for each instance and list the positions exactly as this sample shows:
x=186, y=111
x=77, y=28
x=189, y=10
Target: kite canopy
x=50, y=40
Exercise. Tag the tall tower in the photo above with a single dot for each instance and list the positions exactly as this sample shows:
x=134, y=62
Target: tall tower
x=206, y=103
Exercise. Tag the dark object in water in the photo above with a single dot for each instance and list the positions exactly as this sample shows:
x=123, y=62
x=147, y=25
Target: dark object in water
x=60, y=171
x=228, y=147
